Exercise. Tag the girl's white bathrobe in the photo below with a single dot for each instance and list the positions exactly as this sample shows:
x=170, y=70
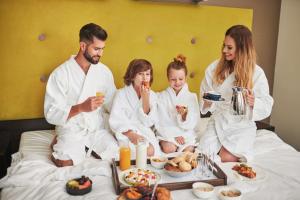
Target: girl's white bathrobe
x=170, y=124
x=68, y=85
x=127, y=114
x=235, y=133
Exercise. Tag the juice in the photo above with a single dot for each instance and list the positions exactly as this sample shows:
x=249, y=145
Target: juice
x=124, y=157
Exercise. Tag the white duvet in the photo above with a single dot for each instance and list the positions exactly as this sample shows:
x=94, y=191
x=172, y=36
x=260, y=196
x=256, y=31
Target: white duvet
x=33, y=176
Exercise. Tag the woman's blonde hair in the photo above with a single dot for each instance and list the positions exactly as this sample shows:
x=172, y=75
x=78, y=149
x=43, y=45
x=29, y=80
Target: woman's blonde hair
x=244, y=62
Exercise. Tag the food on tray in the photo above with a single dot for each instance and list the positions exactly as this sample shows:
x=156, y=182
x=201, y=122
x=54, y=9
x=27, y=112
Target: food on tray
x=140, y=177
x=231, y=193
x=183, y=163
x=158, y=162
x=205, y=189
x=183, y=108
x=79, y=186
x=145, y=192
x=244, y=170
x=146, y=84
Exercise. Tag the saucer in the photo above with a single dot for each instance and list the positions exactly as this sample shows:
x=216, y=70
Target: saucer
x=209, y=100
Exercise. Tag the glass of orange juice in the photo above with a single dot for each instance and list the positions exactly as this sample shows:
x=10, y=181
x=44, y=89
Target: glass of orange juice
x=124, y=155
x=99, y=94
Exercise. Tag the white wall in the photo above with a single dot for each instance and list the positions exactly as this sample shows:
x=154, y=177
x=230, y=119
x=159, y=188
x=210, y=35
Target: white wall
x=286, y=90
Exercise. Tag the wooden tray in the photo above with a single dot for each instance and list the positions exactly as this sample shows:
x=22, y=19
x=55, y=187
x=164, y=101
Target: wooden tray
x=220, y=180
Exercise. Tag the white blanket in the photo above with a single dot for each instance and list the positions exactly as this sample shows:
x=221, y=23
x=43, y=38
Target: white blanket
x=278, y=161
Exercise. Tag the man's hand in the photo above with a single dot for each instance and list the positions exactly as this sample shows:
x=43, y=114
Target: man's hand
x=180, y=140
x=91, y=104
x=133, y=137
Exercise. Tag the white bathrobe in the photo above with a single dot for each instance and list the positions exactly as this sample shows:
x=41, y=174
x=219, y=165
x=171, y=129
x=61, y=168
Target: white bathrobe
x=68, y=85
x=127, y=114
x=235, y=133
x=170, y=124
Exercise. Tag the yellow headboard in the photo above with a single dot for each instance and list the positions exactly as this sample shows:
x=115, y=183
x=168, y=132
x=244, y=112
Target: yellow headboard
x=38, y=35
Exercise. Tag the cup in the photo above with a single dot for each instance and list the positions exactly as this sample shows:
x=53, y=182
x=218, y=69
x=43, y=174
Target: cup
x=212, y=95
x=141, y=154
x=124, y=155
x=99, y=94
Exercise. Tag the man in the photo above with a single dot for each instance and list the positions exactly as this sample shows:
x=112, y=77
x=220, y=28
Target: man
x=78, y=95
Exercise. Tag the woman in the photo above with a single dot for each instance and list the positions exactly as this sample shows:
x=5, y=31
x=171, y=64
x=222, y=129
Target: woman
x=232, y=136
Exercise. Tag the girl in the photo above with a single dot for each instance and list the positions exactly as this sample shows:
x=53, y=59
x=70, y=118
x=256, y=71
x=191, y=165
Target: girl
x=134, y=108
x=178, y=111
x=232, y=136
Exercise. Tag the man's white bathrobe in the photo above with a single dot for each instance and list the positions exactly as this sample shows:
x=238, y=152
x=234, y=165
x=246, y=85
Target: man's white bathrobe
x=170, y=124
x=127, y=114
x=68, y=85
x=235, y=133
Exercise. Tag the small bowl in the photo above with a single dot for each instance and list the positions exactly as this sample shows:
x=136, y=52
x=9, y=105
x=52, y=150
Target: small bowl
x=158, y=162
x=230, y=193
x=211, y=95
x=72, y=190
x=203, y=190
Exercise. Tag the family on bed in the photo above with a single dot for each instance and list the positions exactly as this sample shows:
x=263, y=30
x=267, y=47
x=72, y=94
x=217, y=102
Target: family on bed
x=91, y=115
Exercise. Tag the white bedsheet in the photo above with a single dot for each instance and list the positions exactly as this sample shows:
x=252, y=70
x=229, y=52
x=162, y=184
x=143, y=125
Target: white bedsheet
x=33, y=176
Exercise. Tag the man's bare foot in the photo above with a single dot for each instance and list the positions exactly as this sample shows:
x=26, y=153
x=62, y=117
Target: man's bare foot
x=61, y=163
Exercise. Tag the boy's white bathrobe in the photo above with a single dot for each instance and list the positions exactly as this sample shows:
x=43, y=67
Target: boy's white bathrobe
x=127, y=114
x=235, y=133
x=68, y=85
x=170, y=124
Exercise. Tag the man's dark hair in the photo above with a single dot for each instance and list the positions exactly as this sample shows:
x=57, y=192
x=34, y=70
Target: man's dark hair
x=89, y=31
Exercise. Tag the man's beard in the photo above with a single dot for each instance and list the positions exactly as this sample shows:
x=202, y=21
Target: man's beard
x=89, y=58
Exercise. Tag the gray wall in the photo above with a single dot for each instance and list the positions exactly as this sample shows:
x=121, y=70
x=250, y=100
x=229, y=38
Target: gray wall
x=286, y=110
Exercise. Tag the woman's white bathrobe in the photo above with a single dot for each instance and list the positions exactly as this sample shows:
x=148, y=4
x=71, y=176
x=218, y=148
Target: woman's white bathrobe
x=170, y=124
x=68, y=85
x=127, y=114
x=235, y=133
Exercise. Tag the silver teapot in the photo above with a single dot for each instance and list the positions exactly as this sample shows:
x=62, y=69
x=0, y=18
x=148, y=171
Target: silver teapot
x=239, y=101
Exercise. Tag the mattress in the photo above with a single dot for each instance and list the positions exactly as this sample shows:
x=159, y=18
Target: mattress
x=33, y=175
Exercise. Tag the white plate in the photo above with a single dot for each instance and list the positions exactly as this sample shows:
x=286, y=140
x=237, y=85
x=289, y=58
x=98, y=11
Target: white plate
x=260, y=174
x=178, y=174
x=122, y=174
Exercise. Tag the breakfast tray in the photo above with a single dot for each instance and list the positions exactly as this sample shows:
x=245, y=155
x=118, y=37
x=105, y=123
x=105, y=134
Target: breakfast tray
x=219, y=178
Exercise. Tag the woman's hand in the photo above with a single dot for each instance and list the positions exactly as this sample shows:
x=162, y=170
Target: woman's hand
x=133, y=137
x=180, y=140
x=145, y=95
x=250, y=98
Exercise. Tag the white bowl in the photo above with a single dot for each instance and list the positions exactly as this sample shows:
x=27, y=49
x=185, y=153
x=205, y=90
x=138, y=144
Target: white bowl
x=227, y=190
x=203, y=190
x=158, y=164
x=178, y=174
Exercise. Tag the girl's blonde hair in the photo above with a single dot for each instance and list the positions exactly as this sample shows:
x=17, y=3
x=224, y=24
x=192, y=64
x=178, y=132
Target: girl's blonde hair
x=178, y=63
x=244, y=62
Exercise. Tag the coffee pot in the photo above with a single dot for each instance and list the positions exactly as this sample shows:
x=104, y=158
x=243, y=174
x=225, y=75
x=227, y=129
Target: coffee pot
x=239, y=101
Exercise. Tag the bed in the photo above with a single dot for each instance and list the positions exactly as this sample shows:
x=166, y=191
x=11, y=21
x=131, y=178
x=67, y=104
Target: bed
x=33, y=176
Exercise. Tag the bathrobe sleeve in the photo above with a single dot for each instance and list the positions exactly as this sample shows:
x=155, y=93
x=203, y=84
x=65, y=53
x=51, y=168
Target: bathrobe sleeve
x=207, y=85
x=119, y=120
x=263, y=101
x=110, y=92
x=149, y=119
x=193, y=115
x=56, y=106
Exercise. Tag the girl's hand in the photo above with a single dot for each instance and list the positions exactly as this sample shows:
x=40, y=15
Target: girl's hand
x=250, y=98
x=133, y=137
x=180, y=140
x=145, y=95
x=183, y=111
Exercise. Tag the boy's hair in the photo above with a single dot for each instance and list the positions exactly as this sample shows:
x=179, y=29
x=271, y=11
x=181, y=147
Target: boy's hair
x=89, y=31
x=136, y=66
x=178, y=63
